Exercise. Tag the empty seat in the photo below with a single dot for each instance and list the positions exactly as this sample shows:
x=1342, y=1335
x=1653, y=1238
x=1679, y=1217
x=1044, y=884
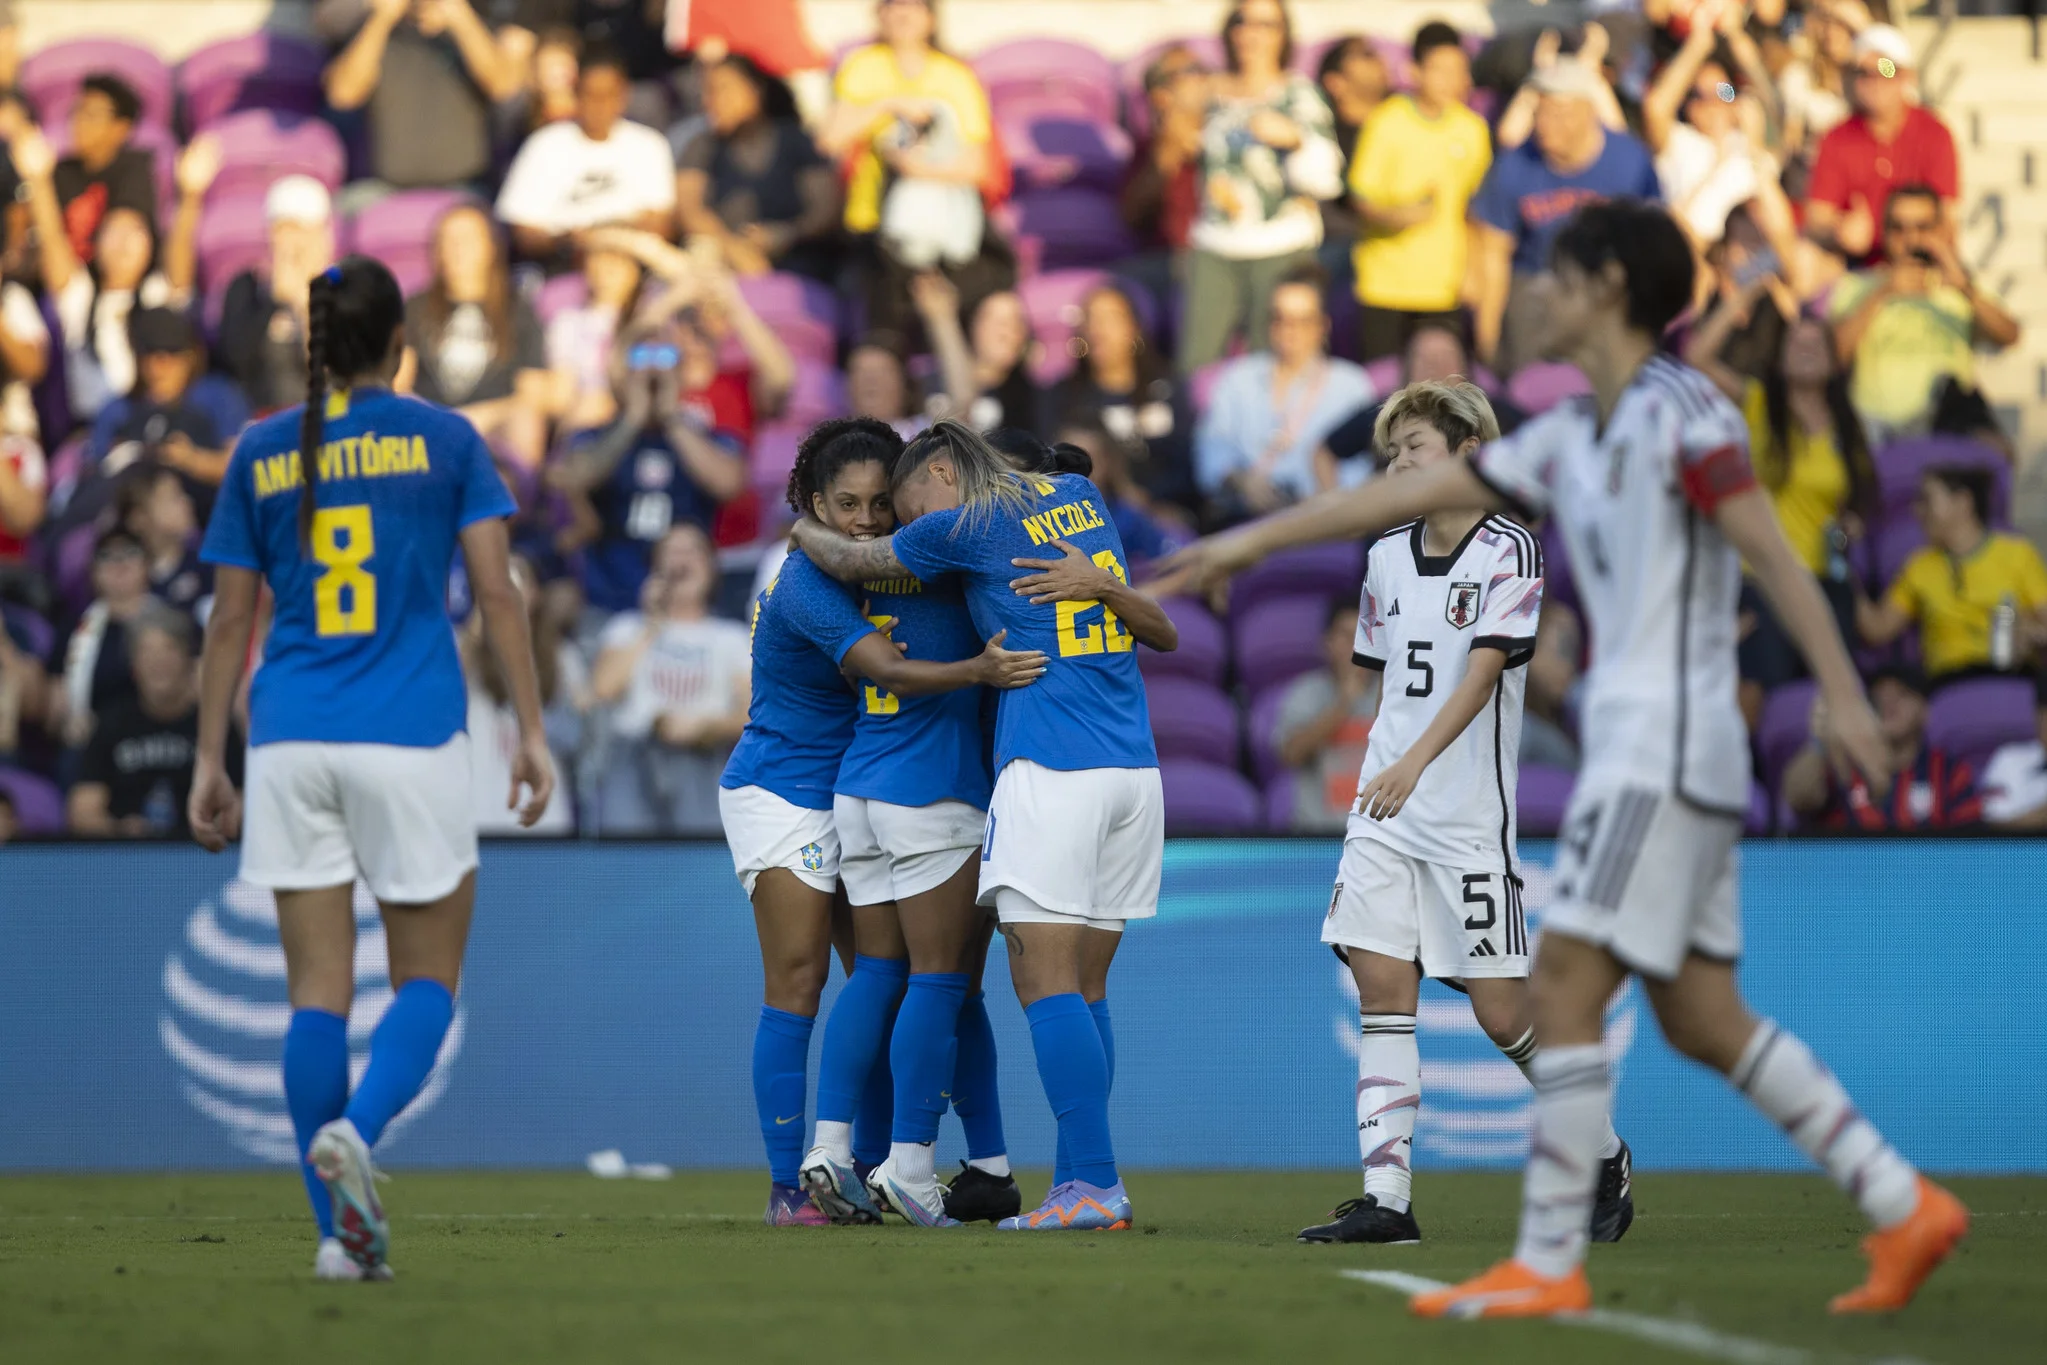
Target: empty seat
x=1207, y=798
x=1063, y=228
x=1320, y=571
x=802, y=312
x=1203, y=653
x=254, y=71
x=1191, y=719
x=1539, y=387
x=1050, y=145
x=1784, y=728
x=38, y=805
x=1278, y=641
x=1971, y=718
x=399, y=231
x=260, y=146
x=1542, y=798
x=1049, y=71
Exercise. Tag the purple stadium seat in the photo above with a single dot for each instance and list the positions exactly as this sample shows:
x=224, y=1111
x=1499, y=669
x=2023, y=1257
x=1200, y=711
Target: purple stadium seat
x=1130, y=75
x=38, y=805
x=1539, y=804
x=260, y=146
x=1049, y=71
x=1279, y=803
x=1207, y=798
x=1784, y=727
x=1541, y=386
x=804, y=313
x=1053, y=145
x=1317, y=571
x=1900, y=465
x=71, y=566
x=1263, y=728
x=1203, y=654
x=558, y=295
x=399, y=231
x=1278, y=641
x=818, y=394
x=38, y=636
x=254, y=71
x=1972, y=718
x=51, y=77
x=1064, y=228
x=232, y=238
x=1192, y=720
x=1760, y=813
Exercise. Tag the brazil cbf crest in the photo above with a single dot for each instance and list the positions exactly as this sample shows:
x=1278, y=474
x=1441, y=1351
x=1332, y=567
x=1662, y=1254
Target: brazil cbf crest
x=1462, y=607
x=226, y=1011
x=813, y=857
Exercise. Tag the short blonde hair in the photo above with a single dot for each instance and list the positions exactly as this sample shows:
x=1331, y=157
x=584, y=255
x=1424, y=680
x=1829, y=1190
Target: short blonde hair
x=1455, y=406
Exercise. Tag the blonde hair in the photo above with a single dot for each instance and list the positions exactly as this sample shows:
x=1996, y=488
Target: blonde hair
x=1455, y=407
x=987, y=481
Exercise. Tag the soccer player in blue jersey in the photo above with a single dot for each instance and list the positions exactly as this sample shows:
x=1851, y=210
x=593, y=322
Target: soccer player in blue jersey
x=350, y=508
x=1076, y=822
x=777, y=792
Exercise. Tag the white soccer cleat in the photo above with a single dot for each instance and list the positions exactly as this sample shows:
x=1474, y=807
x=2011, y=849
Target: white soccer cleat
x=921, y=1203
x=342, y=1160
x=332, y=1263
x=835, y=1188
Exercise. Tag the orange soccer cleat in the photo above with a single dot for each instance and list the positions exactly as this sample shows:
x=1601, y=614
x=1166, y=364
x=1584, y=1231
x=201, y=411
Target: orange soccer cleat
x=1902, y=1256
x=1509, y=1290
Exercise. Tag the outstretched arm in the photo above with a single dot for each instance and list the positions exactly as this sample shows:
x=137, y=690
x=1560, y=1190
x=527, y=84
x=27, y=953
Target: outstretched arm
x=1076, y=578
x=847, y=559
x=874, y=656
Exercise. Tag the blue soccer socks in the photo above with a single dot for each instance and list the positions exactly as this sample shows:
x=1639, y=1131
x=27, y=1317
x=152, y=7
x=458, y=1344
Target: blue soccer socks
x=402, y=1053
x=316, y=1092
x=781, y=1063
x=1075, y=1074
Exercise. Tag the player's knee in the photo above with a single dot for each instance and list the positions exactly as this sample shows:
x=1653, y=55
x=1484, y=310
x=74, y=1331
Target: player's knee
x=796, y=979
x=1505, y=1023
x=1702, y=1035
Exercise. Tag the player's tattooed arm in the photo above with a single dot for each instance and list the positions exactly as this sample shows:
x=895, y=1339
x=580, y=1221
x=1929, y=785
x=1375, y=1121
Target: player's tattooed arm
x=847, y=559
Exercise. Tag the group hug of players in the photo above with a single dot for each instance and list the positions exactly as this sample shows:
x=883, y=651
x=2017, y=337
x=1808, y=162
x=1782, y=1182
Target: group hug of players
x=948, y=734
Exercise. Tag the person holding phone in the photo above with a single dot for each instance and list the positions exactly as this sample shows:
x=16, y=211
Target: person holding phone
x=663, y=462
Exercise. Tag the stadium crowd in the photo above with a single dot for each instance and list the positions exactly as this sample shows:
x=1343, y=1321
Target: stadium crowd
x=643, y=268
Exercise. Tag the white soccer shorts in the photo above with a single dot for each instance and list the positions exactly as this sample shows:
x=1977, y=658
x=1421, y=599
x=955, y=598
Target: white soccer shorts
x=889, y=852
x=1086, y=844
x=1457, y=922
x=764, y=831
x=1649, y=877
x=319, y=815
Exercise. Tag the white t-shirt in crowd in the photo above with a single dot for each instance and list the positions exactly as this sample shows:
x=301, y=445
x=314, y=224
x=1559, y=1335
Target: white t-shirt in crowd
x=1705, y=180
x=562, y=180
x=22, y=320
x=493, y=745
x=691, y=667
x=2014, y=782
x=106, y=370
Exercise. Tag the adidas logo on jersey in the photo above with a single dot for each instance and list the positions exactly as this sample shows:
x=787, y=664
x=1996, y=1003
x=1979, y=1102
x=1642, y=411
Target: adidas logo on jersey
x=1394, y=610
x=1484, y=949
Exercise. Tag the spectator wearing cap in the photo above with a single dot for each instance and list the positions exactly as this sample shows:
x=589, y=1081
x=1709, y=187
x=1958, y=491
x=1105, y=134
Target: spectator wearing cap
x=596, y=169
x=2014, y=782
x=1421, y=159
x=176, y=414
x=1325, y=717
x=1930, y=790
x=1709, y=137
x=263, y=320
x=1254, y=451
x=427, y=73
x=1570, y=161
x=96, y=654
x=753, y=182
x=1269, y=160
x=1912, y=328
x=1889, y=142
x=1978, y=596
x=136, y=771
x=102, y=171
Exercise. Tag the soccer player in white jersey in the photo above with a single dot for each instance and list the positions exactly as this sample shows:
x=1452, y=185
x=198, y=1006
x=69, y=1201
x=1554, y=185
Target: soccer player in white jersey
x=1649, y=479
x=1430, y=884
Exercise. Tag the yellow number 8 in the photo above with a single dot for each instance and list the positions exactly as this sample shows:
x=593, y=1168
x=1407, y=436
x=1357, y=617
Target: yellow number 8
x=342, y=543
x=1111, y=636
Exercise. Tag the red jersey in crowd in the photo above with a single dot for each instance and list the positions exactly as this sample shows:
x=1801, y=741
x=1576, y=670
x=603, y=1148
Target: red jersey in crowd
x=1852, y=166
x=724, y=407
x=24, y=458
x=1938, y=793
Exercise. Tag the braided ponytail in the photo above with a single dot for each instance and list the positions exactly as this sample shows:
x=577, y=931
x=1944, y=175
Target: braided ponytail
x=313, y=420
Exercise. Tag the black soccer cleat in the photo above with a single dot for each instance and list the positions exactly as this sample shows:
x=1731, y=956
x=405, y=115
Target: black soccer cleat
x=1365, y=1220
x=978, y=1197
x=1613, y=1205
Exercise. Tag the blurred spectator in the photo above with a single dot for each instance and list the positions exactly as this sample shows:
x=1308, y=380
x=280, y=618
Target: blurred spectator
x=1162, y=192
x=1421, y=159
x=428, y=73
x=718, y=320
x=1912, y=327
x=1978, y=596
x=177, y=414
x=1353, y=80
x=678, y=681
x=1268, y=160
x=1434, y=351
x=1553, y=678
x=1749, y=275
x=494, y=725
x=478, y=344
x=1812, y=456
x=1569, y=162
x=102, y=172
x=551, y=96
x=1324, y=720
x=1149, y=530
x=23, y=687
x=1123, y=385
x=10, y=45
x=1930, y=789
x=1708, y=137
x=94, y=299
x=136, y=771
x=662, y=463
x=152, y=504
x=1887, y=143
x=579, y=338
x=17, y=242
x=1255, y=449
x=24, y=499
x=1814, y=86
x=263, y=319
x=1516, y=123
x=753, y=182
x=97, y=671
x=596, y=169
x=1000, y=344
x=914, y=126
x=2014, y=785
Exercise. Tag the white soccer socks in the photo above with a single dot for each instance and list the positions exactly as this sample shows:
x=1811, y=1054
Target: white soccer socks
x=1389, y=1096
x=1563, y=1157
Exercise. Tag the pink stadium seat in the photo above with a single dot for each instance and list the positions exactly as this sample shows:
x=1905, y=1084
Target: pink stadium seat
x=1049, y=146
x=1384, y=374
x=233, y=237
x=804, y=313
x=399, y=231
x=1319, y=572
x=1049, y=71
x=38, y=805
x=1053, y=300
x=1067, y=228
x=260, y=146
x=818, y=395
x=51, y=77
x=1539, y=387
x=1278, y=641
x=1783, y=729
x=558, y=295
x=254, y=71
x=1201, y=385
x=1973, y=717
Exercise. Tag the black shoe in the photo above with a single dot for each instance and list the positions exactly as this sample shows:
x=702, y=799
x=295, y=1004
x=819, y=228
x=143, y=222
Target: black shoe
x=1363, y=1220
x=978, y=1197
x=1613, y=1206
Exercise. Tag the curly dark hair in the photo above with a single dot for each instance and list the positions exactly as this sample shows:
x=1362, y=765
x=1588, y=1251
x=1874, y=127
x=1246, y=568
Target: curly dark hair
x=831, y=447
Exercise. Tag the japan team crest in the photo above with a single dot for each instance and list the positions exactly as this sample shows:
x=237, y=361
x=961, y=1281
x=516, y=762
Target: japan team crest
x=813, y=857
x=1462, y=607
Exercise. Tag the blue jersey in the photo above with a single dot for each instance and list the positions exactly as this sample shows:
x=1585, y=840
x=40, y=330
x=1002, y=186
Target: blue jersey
x=801, y=717
x=360, y=649
x=1088, y=711
x=915, y=751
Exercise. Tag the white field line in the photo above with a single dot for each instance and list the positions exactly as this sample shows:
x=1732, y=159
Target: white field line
x=1690, y=1337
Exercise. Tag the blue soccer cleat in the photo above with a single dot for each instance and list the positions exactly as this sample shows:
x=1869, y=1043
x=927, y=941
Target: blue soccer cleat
x=837, y=1190
x=1077, y=1207
x=789, y=1206
x=342, y=1160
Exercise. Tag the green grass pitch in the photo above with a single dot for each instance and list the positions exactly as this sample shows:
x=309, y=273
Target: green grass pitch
x=498, y=1267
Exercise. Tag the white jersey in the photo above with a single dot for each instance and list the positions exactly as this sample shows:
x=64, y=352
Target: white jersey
x=1419, y=618
x=1657, y=581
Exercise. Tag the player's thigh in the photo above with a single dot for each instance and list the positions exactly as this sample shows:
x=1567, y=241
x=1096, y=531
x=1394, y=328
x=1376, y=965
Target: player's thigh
x=877, y=932
x=1569, y=988
x=1702, y=1013
x=794, y=922
x=428, y=940
x=1386, y=985
x=944, y=928
x=1097, y=954
x=1502, y=1007
x=411, y=817
x=1045, y=947
x=317, y=929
